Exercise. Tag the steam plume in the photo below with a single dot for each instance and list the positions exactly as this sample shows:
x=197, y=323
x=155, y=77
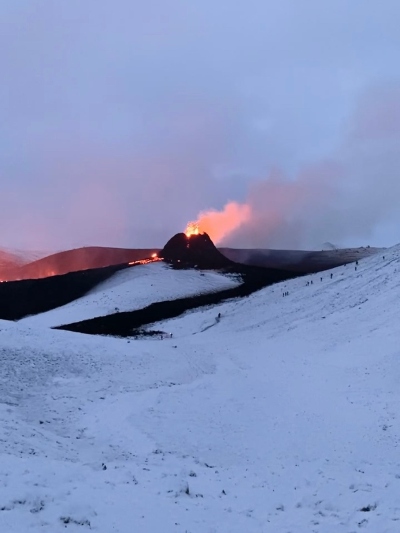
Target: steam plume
x=219, y=224
x=344, y=200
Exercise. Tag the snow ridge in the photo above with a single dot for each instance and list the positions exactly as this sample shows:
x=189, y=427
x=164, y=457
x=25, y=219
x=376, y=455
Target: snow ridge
x=282, y=416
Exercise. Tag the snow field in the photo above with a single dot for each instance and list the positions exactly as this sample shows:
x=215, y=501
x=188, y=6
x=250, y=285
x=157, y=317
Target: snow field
x=280, y=417
x=135, y=288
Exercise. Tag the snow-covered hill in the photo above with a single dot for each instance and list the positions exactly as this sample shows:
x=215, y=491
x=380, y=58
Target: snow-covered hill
x=282, y=416
x=135, y=288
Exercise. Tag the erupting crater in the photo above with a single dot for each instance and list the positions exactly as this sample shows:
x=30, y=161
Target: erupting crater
x=192, y=229
x=193, y=248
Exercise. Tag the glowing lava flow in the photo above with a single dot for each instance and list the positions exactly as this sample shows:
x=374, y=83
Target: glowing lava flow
x=153, y=259
x=192, y=229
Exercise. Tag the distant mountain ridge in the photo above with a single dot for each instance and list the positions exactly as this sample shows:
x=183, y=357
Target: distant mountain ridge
x=301, y=261
x=18, y=265
x=70, y=261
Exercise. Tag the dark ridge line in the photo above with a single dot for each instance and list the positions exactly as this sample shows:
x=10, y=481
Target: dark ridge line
x=19, y=299
x=124, y=324
x=78, y=259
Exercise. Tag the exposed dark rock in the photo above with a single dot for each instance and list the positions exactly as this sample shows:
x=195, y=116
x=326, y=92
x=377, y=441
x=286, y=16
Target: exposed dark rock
x=130, y=323
x=30, y=297
x=303, y=262
x=196, y=250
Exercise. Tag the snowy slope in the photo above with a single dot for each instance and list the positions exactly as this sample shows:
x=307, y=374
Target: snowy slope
x=135, y=288
x=280, y=417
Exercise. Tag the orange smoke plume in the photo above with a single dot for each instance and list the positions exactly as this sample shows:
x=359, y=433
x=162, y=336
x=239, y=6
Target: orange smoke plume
x=219, y=224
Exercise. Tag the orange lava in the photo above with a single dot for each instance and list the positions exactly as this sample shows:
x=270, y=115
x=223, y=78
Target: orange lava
x=153, y=259
x=192, y=229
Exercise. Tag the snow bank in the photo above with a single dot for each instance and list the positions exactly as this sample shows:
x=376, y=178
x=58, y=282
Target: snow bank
x=135, y=288
x=282, y=416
